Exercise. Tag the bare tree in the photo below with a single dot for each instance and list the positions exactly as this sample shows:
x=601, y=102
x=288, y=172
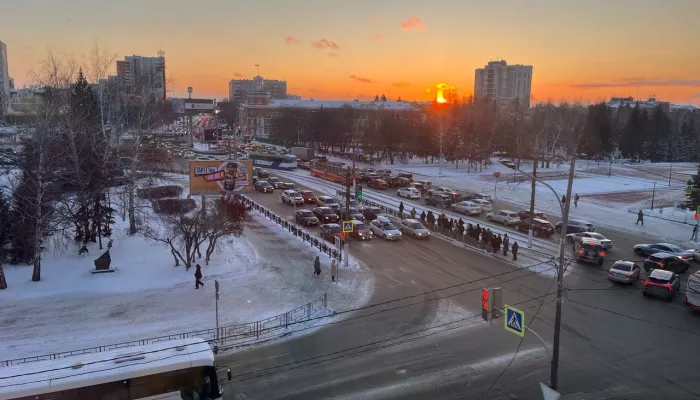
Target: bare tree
x=225, y=219
x=182, y=231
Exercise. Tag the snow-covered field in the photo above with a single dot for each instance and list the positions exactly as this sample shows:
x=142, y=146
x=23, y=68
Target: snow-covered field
x=265, y=272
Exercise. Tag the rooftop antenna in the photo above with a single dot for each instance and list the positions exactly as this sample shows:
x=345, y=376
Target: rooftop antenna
x=258, y=67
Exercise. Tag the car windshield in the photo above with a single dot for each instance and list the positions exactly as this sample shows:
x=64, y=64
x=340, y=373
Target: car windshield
x=327, y=211
x=307, y=193
x=388, y=226
x=335, y=229
x=265, y=184
x=306, y=213
x=655, y=258
x=659, y=279
x=623, y=267
x=417, y=225
x=674, y=248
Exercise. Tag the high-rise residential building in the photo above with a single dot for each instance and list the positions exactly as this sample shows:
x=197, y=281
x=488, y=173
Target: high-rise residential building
x=504, y=83
x=140, y=74
x=239, y=88
x=4, y=78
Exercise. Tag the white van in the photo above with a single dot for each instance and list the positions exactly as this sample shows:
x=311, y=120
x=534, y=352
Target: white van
x=692, y=292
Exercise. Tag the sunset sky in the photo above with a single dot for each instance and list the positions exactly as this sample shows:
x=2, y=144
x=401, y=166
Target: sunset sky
x=332, y=49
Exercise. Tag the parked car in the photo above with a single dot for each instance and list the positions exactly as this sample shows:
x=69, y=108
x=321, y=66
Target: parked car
x=605, y=242
x=377, y=184
x=330, y=231
x=663, y=284
x=438, y=200
x=306, y=217
x=292, y=197
x=467, y=207
x=505, y=217
x=408, y=192
x=383, y=228
x=263, y=187
x=624, y=272
x=371, y=213
x=275, y=182
x=309, y=196
x=414, y=228
x=325, y=214
x=360, y=230
x=525, y=214
x=576, y=225
x=589, y=250
x=648, y=249
x=667, y=261
x=541, y=227
x=327, y=201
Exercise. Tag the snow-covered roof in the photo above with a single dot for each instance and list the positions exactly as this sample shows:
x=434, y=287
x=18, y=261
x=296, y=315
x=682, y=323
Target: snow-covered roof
x=385, y=105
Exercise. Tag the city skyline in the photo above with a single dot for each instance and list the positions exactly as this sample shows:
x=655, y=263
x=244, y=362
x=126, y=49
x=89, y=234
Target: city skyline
x=586, y=52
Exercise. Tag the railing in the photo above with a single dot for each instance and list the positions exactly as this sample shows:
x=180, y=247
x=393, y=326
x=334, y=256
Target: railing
x=314, y=241
x=229, y=336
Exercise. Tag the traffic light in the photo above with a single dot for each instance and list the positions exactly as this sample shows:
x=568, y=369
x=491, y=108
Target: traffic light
x=359, y=193
x=485, y=303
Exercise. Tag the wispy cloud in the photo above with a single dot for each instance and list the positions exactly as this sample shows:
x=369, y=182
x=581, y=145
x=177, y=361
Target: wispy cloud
x=360, y=79
x=413, y=24
x=377, y=37
x=332, y=55
x=401, y=84
x=695, y=96
x=237, y=75
x=325, y=44
x=292, y=41
x=639, y=82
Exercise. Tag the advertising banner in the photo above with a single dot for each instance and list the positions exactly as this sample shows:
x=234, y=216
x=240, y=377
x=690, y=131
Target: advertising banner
x=215, y=177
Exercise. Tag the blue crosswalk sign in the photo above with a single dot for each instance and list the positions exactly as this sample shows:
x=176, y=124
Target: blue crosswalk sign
x=515, y=320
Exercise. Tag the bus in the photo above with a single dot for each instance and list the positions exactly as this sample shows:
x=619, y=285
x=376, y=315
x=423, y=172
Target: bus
x=335, y=172
x=273, y=161
x=692, y=292
x=169, y=369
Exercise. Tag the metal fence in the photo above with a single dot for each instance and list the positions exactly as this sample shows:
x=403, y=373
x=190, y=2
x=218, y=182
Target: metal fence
x=319, y=243
x=229, y=336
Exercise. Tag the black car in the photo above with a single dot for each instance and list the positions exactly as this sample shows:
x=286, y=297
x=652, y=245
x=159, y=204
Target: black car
x=525, y=214
x=306, y=217
x=275, y=182
x=576, y=226
x=649, y=249
x=589, y=250
x=666, y=261
x=326, y=214
x=541, y=227
x=330, y=231
x=262, y=173
x=371, y=213
x=438, y=200
x=263, y=187
x=354, y=214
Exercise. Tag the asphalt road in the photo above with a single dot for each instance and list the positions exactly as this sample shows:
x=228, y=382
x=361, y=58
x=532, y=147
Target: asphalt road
x=408, y=349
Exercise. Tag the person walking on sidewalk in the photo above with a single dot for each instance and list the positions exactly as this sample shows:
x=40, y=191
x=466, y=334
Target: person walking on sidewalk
x=514, y=250
x=506, y=242
x=198, y=277
x=563, y=199
x=317, y=266
x=422, y=217
x=413, y=213
x=576, y=200
x=334, y=269
x=640, y=218
x=694, y=236
x=401, y=210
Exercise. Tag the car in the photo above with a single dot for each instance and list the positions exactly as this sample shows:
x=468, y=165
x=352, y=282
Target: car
x=288, y=186
x=576, y=225
x=309, y=196
x=414, y=228
x=304, y=165
x=505, y=217
x=649, y=249
x=624, y=272
x=354, y=214
x=393, y=181
x=383, y=228
x=408, y=192
x=438, y=200
x=329, y=232
x=292, y=197
x=360, y=230
x=667, y=261
x=425, y=184
x=262, y=173
x=467, y=207
x=366, y=177
x=589, y=250
x=453, y=194
x=541, y=227
x=605, y=242
x=353, y=203
x=661, y=283
x=377, y=184
x=263, y=187
x=327, y=201
x=405, y=175
x=275, y=182
x=326, y=214
x=368, y=170
x=306, y=217
x=371, y=213
x=525, y=214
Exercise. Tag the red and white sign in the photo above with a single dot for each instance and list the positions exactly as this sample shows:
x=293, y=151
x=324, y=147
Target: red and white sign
x=214, y=176
x=199, y=106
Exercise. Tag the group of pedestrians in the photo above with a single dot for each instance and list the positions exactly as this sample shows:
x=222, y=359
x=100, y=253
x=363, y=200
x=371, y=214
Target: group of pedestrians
x=491, y=240
x=334, y=268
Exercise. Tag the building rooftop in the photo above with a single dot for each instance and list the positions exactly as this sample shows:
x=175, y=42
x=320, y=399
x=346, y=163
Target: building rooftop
x=386, y=105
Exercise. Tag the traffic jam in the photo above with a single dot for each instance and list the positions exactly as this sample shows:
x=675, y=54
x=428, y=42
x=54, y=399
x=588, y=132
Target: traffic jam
x=664, y=265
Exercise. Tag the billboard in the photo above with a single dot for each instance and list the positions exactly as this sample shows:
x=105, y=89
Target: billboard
x=178, y=105
x=215, y=177
x=197, y=106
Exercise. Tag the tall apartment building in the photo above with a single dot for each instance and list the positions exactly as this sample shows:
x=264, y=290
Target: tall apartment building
x=4, y=79
x=504, y=83
x=239, y=88
x=140, y=73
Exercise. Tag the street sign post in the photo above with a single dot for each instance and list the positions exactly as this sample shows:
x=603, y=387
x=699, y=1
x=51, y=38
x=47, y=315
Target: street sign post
x=347, y=226
x=515, y=320
x=216, y=289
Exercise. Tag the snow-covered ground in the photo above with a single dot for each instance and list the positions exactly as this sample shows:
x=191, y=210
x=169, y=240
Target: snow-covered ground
x=265, y=272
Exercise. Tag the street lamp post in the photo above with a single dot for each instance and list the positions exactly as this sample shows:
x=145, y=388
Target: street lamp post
x=440, y=172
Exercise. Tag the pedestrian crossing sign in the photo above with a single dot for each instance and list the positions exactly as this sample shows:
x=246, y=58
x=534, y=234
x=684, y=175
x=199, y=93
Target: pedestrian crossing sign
x=515, y=320
x=347, y=226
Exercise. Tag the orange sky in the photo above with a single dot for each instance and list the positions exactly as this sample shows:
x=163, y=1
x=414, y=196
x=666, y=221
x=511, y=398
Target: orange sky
x=328, y=50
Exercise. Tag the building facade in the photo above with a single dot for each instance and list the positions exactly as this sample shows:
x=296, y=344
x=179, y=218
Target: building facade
x=4, y=79
x=140, y=74
x=504, y=83
x=240, y=88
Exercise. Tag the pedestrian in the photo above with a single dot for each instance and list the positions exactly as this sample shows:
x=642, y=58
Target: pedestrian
x=514, y=250
x=198, y=276
x=576, y=200
x=431, y=220
x=498, y=244
x=317, y=266
x=460, y=230
x=695, y=233
x=506, y=242
x=413, y=213
x=563, y=199
x=334, y=269
x=401, y=209
x=422, y=217
x=640, y=218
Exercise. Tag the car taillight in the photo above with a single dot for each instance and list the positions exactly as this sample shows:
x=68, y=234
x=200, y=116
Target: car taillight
x=602, y=254
x=610, y=271
x=629, y=275
x=661, y=264
x=669, y=286
x=580, y=252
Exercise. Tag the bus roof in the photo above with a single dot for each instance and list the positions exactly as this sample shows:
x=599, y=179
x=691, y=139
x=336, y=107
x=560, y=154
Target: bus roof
x=284, y=156
x=34, y=378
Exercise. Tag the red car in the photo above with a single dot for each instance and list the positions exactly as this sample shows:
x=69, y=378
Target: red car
x=377, y=184
x=308, y=196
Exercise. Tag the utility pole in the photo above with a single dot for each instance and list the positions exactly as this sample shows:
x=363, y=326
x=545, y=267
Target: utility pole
x=554, y=378
x=532, y=203
x=670, y=173
x=440, y=172
x=348, y=174
x=653, y=195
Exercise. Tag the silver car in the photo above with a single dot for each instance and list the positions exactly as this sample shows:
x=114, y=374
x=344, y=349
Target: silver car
x=467, y=207
x=605, y=242
x=624, y=272
x=505, y=217
x=414, y=228
x=383, y=228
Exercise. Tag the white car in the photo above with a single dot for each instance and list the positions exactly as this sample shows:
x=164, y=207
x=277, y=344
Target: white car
x=408, y=192
x=467, y=207
x=384, y=229
x=485, y=204
x=414, y=228
x=292, y=196
x=604, y=242
x=505, y=217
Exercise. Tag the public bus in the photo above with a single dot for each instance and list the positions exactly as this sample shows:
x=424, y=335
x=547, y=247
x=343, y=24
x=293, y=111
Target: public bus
x=335, y=172
x=274, y=161
x=692, y=292
x=170, y=369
